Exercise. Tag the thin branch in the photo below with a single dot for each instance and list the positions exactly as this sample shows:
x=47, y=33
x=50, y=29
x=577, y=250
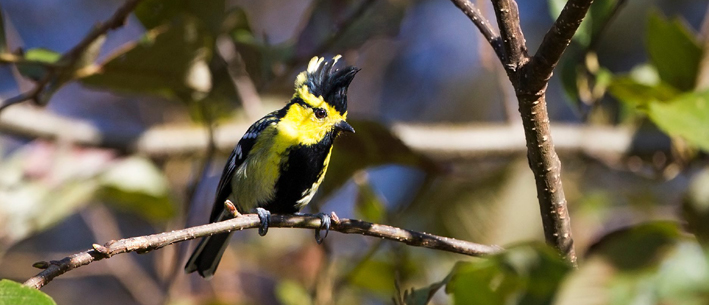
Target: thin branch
x=116, y=21
x=512, y=37
x=143, y=244
x=69, y=58
x=555, y=42
x=483, y=25
x=127, y=271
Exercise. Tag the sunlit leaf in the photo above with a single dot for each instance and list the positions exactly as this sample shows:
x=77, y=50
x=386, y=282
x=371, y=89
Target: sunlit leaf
x=686, y=116
x=525, y=274
x=169, y=62
x=37, y=71
x=673, y=50
x=136, y=185
x=636, y=94
x=13, y=293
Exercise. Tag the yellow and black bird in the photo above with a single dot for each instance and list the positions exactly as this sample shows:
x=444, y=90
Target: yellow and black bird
x=279, y=163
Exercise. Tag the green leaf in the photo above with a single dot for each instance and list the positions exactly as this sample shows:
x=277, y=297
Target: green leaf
x=673, y=50
x=168, y=61
x=372, y=145
x=369, y=205
x=636, y=94
x=35, y=71
x=292, y=293
x=695, y=206
x=637, y=247
x=3, y=38
x=375, y=275
x=136, y=185
x=524, y=274
x=13, y=293
x=687, y=117
x=210, y=14
x=423, y=295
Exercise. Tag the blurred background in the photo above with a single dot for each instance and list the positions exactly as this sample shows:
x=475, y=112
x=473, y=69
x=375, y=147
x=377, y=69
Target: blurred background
x=131, y=137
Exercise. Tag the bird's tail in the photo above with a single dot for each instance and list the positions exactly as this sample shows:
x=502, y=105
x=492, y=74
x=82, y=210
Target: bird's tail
x=206, y=257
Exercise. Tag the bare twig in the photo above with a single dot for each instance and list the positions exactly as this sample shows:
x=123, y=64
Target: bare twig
x=143, y=244
x=512, y=37
x=70, y=58
x=483, y=25
x=116, y=21
x=127, y=270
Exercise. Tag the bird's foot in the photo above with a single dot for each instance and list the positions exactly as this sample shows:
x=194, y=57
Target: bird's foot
x=231, y=208
x=325, y=221
x=265, y=217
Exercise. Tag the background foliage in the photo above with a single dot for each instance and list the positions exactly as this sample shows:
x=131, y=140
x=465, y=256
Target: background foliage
x=639, y=216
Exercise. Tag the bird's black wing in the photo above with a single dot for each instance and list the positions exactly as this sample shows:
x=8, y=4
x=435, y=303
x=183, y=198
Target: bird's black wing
x=238, y=155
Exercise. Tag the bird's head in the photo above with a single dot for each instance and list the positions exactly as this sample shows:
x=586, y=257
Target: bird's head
x=319, y=105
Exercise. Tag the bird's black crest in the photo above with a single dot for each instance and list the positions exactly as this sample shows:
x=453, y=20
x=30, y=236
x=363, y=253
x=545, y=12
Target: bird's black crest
x=323, y=79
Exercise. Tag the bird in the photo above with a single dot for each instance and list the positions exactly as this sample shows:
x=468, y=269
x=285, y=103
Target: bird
x=281, y=160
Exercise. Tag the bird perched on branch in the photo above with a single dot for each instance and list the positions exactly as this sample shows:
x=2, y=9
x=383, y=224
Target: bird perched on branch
x=279, y=163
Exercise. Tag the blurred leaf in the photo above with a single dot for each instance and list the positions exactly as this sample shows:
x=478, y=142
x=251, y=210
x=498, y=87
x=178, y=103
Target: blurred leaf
x=357, y=21
x=210, y=14
x=673, y=50
x=524, y=274
x=3, y=38
x=636, y=94
x=34, y=71
x=695, y=206
x=369, y=205
x=375, y=275
x=684, y=277
x=637, y=247
x=372, y=145
x=292, y=293
x=135, y=184
x=13, y=293
x=170, y=62
x=593, y=23
x=421, y=296
x=687, y=116
x=41, y=185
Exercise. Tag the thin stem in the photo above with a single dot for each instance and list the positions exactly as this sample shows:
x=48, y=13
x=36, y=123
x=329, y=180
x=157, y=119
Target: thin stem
x=143, y=244
x=512, y=37
x=483, y=25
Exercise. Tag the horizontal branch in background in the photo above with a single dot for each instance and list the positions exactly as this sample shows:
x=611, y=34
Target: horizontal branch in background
x=143, y=244
x=438, y=141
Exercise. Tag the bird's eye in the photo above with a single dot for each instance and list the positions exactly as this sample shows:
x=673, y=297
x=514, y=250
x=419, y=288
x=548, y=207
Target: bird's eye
x=320, y=113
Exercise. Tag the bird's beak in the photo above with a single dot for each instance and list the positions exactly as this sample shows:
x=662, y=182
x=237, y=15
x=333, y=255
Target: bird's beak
x=344, y=126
